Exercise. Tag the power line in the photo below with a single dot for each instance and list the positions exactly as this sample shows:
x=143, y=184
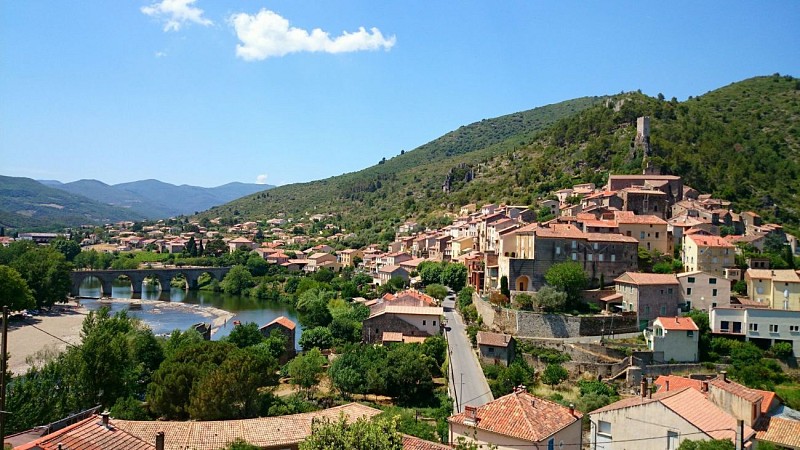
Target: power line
x=50, y=334
x=620, y=440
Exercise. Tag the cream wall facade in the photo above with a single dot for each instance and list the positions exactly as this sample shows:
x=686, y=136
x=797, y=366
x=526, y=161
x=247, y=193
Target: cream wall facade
x=429, y=323
x=703, y=290
x=677, y=345
x=570, y=436
x=650, y=236
x=713, y=260
x=630, y=425
x=771, y=292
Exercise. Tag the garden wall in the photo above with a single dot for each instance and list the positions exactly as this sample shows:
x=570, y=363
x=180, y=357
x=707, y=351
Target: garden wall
x=533, y=324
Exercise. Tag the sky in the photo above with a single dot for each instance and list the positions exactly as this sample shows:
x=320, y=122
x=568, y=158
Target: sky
x=206, y=92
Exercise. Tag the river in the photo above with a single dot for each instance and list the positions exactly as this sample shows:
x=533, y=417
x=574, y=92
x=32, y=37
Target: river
x=188, y=307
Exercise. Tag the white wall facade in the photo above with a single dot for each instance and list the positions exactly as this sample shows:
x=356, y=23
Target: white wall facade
x=759, y=323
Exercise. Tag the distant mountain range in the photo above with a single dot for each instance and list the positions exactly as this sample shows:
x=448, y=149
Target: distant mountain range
x=49, y=204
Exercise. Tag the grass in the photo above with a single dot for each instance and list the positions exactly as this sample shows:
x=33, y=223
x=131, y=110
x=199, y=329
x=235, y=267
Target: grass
x=790, y=393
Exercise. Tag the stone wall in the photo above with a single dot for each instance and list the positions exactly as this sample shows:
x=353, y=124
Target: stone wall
x=532, y=324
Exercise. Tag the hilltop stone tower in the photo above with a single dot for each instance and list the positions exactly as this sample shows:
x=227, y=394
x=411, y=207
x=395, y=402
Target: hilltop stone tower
x=643, y=141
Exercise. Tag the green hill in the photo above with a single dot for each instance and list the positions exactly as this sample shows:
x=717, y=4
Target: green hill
x=739, y=142
x=28, y=204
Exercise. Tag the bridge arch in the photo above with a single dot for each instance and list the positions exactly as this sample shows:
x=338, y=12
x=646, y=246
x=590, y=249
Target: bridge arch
x=137, y=276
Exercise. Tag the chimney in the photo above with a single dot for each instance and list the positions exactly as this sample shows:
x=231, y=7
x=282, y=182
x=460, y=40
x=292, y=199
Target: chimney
x=104, y=416
x=571, y=409
x=724, y=375
x=704, y=386
x=160, y=440
x=666, y=385
x=470, y=415
x=644, y=388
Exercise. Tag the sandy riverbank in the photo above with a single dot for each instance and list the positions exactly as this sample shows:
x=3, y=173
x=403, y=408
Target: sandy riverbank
x=51, y=332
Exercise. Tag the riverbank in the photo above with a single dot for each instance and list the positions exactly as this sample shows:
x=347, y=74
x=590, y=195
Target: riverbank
x=38, y=338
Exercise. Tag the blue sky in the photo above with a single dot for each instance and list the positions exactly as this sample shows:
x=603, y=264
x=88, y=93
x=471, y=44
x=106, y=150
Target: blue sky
x=207, y=92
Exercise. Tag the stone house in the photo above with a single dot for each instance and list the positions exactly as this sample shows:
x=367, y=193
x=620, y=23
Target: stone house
x=285, y=326
x=416, y=321
x=649, y=230
x=518, y=421
x=528, y=252
x=496, y=348
x=703, y=291
x=645, y=201
x=241, y=243
x=650, y=295
x=675, y=337
x=386, y=273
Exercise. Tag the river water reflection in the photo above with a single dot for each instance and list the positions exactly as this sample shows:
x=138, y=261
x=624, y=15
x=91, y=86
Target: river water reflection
x=164, y=320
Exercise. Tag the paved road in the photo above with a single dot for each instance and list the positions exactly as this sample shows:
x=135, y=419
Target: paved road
x=473, y=390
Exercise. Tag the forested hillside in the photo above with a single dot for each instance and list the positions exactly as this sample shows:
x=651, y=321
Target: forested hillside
x=739, y=142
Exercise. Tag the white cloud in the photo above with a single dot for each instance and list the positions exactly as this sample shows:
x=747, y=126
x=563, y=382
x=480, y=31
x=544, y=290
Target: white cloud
x=261, y=179
x=161, y=54
x=267, y=34
x=176, y=13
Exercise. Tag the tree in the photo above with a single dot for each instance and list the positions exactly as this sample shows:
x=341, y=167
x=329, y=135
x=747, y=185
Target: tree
x=554, y=374
x=408, y=374
x=237, y=280
x=257, y=266
x=216, y=247
x=46, y=272
x=430, y=272
x=567, y=277
x=191, y=247
x=313, y=308
x=550, y=300
x=363, y=434
x=436, y=291
x=245, y=335
x=715, y=444
x=307, y=369
x=318, y=337
x=524, y=302
x=454, y=275
x=69, y=248
x=16, y=294
x=504, y=287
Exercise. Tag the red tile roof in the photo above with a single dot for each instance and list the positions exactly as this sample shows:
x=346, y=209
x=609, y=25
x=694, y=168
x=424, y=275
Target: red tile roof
x=677, y=323
x=522, y=416
x=710, y=241
x=269, y=432
x=493, y=339
x=90, y=434
x=415, y=443
x=735, y=388
x=780, y=431
x=647, y=278
x=676, y=383
x=283, y=321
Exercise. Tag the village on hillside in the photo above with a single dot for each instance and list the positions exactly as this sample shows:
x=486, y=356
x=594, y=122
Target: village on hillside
x=641, y=312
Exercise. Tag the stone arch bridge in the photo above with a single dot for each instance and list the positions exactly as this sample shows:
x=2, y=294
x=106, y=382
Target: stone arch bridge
x=137, y=276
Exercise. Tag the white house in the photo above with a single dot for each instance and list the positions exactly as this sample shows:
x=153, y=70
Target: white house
x=761, y=325
x=676, y=337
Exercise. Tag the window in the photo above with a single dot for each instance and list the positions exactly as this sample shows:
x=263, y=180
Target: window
x=712, y=281
x=434, y=323
x=630, y=307
x=690, y=333
x=551, y=444
x=794, y=328
x=713, y=292
x=672, y=440
x=589, y=257
x=604, y=428
x=714, y=304
x=574, y=244
x=663, y=309
x=558, y=250
x=596, y=245
x=657, y=234
x=574, y=256
x=737, y=327
x=659, y=331
x=773, y=328
x=690, y=279
x=752, y=326
x=647, y=310
x=423, y=323
x=725, y=326
x=689, y=305
x=669, y=291
x=641, y=235
x=490, y=349
x=688, y=291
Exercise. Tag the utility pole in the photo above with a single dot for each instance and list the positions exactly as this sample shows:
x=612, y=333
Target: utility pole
x=3, y=379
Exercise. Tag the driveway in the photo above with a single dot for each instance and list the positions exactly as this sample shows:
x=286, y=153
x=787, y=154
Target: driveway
x=467, y=384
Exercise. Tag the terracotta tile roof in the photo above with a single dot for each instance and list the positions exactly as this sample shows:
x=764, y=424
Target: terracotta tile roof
x=241, y=240
x=90, y=434
x=784, y=432
x=647, y=278
x=610, y=237
x=493, y=339
x=635, y=401
x=764, y=274
x=766, y=399
x=630, y=217
x=711, y=241
x=390, y=269
x=735, y=388
x=415, y=443
x=676, y=383
x=677, y=323
x=611, y=297
x=262, y=432
x=414, y=339
x=283, y=321
x=522, y=416
x=644, y=177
